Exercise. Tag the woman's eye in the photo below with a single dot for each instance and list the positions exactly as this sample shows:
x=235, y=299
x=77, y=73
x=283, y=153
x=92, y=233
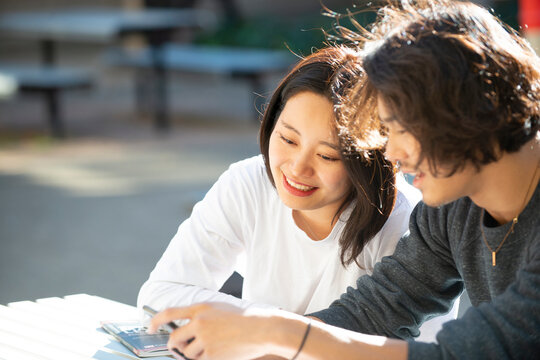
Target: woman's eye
x=328, y=158
x=286, y=140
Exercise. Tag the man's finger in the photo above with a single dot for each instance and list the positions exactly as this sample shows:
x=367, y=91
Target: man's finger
x=194, y=349
x=182, y=337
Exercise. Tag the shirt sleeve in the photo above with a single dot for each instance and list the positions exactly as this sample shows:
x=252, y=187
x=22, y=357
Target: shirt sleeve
x=206, y=249
x=404, y=290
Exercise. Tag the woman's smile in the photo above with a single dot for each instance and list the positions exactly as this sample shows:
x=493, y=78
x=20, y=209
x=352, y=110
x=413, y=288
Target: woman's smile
x=296, y=188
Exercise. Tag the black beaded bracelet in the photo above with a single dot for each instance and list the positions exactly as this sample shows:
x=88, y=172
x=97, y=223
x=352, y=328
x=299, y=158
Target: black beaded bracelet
x=303, y=341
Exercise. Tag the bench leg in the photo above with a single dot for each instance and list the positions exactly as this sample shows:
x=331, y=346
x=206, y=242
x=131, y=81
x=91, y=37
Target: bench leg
x=53, y=112
x=48, y=52
x=151, y=95
x=143, y=91
x=160, y=100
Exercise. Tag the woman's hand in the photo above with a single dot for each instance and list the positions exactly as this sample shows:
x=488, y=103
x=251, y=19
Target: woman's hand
x=216, y=331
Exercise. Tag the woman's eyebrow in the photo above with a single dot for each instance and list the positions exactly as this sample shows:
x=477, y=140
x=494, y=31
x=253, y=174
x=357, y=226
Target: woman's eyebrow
x=292, y=128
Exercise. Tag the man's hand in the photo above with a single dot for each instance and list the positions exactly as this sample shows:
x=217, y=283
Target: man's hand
x=215, y=331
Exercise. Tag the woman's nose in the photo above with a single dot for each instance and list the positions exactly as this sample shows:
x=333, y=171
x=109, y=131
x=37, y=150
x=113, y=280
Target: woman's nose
x=301, y=165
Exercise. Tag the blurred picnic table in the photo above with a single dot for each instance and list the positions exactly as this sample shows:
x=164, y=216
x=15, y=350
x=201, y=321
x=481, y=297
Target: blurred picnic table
x=103, y=25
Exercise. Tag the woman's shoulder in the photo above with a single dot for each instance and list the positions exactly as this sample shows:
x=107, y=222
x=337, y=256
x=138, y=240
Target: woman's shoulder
x=249, y=169
x=247, y=176
x=254, y=164
x=239, y=195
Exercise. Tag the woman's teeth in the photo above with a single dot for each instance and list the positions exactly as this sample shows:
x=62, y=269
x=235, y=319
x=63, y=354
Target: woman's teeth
x=298, y=186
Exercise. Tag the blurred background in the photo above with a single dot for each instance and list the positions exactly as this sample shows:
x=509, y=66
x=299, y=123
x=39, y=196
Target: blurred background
x=117, y=116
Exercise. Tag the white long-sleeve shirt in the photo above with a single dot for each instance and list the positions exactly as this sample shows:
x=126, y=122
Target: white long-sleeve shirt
x=242, y=225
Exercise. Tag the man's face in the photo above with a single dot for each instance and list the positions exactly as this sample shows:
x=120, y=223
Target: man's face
x=403, y=147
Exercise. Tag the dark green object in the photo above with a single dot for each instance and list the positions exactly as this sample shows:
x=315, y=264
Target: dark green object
x=300, y=34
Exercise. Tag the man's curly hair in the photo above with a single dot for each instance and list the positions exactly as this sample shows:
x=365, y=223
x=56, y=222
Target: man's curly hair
x=465, y=85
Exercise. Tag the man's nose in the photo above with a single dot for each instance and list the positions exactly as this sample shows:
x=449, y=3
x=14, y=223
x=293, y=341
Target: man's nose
x=394, y=151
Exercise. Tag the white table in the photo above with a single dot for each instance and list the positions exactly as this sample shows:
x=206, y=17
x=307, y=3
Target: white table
x=63, y=328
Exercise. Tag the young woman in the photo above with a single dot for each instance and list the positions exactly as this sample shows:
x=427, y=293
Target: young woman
x=300, y=223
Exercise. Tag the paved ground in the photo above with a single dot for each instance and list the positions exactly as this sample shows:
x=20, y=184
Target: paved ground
x=93, y=215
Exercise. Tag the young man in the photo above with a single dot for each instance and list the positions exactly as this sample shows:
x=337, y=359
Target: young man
x=458, y=96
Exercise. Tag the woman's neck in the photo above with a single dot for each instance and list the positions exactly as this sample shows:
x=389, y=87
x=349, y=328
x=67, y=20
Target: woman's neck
x=315, y=223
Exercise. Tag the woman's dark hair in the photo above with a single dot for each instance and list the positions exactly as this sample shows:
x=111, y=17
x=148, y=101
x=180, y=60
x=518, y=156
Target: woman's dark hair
x=461, y=82
x=328, y=72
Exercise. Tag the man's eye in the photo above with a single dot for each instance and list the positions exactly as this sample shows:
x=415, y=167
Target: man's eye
x=399, y=130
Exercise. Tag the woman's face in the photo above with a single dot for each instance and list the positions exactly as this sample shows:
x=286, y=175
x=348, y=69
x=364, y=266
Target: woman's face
x=304, y=155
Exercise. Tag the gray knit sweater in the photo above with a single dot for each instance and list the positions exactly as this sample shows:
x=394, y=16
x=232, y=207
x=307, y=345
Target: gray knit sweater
x=443, y=253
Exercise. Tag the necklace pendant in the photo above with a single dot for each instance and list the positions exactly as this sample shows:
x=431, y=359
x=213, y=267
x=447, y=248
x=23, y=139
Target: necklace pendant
x=493, y=258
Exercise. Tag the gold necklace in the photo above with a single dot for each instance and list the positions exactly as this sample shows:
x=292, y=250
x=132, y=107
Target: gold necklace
x=514, y=222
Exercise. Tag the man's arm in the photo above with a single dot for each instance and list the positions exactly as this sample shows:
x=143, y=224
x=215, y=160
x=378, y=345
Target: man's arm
x=219, y=331
x=329, y=342
x=506, y=327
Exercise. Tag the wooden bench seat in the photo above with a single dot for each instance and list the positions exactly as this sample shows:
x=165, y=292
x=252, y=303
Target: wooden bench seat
x=49, y=81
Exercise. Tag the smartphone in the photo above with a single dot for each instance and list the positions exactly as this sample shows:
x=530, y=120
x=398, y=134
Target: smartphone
x=170, y=326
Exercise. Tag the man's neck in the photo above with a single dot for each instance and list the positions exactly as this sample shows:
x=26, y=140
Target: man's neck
x=507, y=185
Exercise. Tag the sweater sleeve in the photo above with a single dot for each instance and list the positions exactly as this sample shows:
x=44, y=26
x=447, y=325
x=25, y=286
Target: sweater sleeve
x=207, y=246
x=405, y=289
x=508, y=327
